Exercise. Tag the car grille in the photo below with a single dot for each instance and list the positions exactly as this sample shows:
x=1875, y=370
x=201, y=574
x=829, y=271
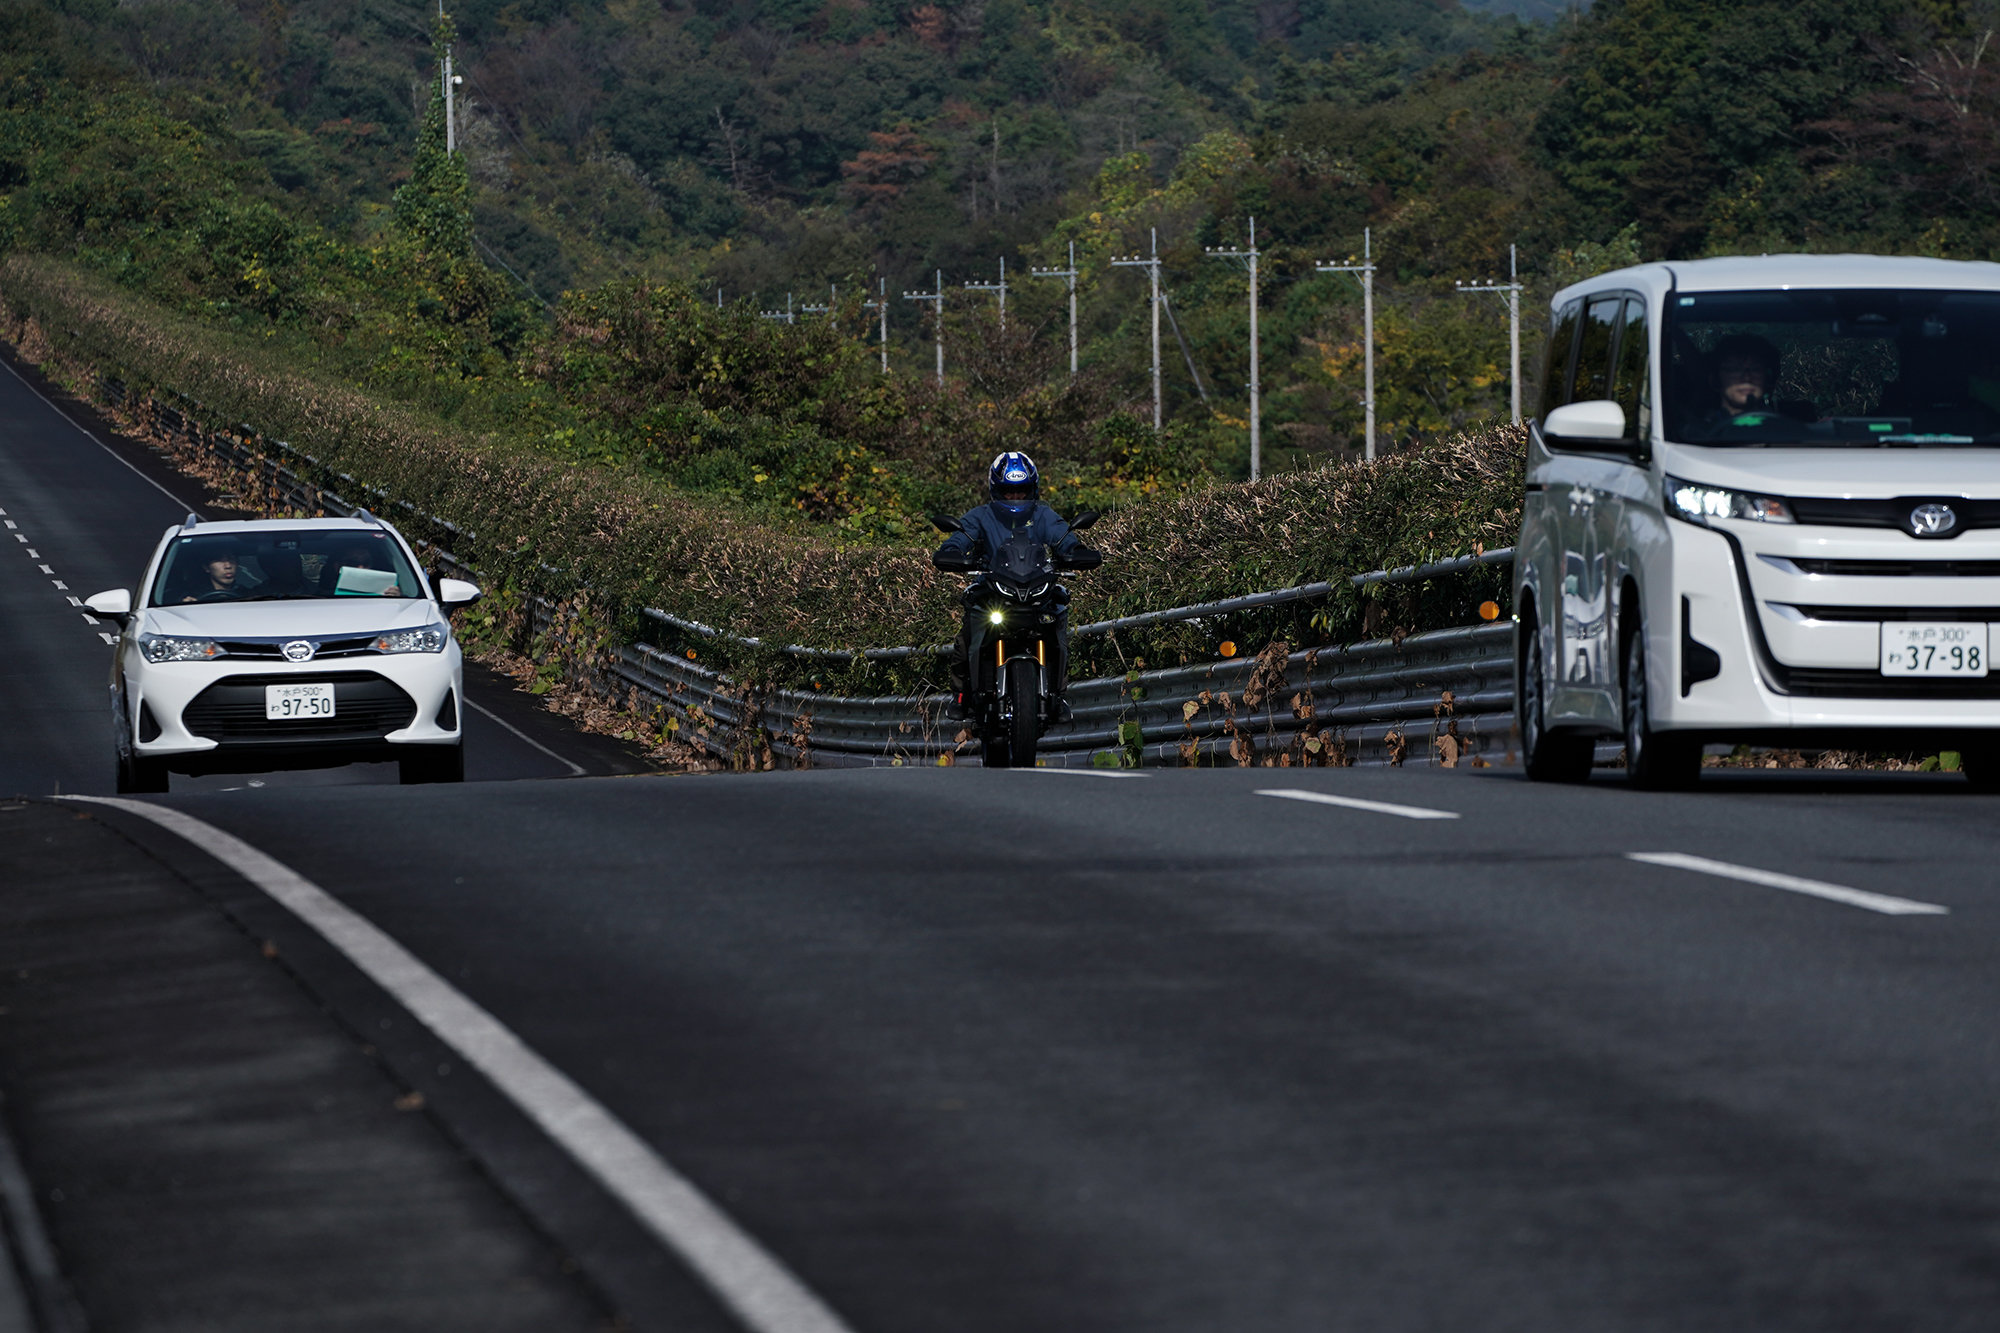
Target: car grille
x=1842, y=683
x=1893, y=513
x=273, y=649
x=1948, y=614
x=1898, y=569
x=365, y=707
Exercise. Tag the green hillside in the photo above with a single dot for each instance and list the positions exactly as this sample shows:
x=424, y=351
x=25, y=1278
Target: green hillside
x=260, y=165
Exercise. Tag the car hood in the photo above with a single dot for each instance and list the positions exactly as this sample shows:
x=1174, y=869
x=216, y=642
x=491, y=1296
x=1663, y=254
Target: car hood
x=325, y=618
x=1853, y=473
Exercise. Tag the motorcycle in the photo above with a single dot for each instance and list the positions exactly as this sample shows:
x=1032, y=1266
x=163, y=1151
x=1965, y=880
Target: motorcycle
x=1013, y=608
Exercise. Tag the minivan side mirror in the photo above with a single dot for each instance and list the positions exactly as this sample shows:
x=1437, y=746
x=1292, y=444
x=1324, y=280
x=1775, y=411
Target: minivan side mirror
x=456, y=594
x=1595, y=424
x=114, y=606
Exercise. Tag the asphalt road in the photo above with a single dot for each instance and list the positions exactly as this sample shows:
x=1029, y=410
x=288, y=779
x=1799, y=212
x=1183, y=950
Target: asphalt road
x=1036, y=1050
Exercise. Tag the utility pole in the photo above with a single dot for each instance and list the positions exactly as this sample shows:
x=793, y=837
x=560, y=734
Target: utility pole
x=785, y=316
x=450, y=128
x=1069, y=275
x=1249, y=257
x=936, y=298
x=829, y=309
x=1366, y=268
x=881, y=306
x=1000, y=287
x=1151, y=263
x=1511, y=289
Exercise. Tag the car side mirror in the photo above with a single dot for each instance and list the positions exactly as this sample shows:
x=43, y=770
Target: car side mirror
x=1084, y=520
x=114, y=606
x=457, y=594
x=1595, y=424
x=944, y=522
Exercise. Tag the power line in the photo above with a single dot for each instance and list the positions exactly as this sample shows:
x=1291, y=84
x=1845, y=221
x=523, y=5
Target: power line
x=937, y=299
x=1366, y=268
x=1000, y=287
x=1511, y=289
x=1068, y=274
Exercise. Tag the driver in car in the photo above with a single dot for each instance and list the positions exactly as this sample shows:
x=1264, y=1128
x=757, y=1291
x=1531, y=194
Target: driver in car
x=223, y=575
x=1013, y=489
x=1746, y=371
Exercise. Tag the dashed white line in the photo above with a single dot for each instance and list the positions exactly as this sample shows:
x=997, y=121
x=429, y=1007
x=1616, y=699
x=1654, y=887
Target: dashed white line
x=746, y=1278
x=60, y=585
x=108, y=638
x=1771, y=879
x=45, y=569
x=11, y=525
x=1356, y=803
x=33, y=554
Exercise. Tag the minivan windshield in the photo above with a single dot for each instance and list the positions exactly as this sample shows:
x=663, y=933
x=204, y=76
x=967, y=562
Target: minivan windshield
x=283, y=565
x=1854, y=368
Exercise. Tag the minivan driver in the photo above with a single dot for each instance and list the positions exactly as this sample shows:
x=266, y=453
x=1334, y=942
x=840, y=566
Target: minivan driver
x=1746, y=370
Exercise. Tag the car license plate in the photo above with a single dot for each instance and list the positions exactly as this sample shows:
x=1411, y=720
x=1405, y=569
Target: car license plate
x=287, y=703
x=1925, y=648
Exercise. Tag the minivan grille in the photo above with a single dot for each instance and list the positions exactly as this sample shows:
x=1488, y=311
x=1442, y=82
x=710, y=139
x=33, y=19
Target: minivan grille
x=1949, y=614
x=365, y=707
x=1842, y=683
x=1896, y=569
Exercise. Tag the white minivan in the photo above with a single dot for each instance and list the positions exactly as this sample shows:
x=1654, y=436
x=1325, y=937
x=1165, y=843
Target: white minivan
x=1763, y=505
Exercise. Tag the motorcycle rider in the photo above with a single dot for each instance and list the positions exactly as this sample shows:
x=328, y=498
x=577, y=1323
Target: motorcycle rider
x=1013, y=489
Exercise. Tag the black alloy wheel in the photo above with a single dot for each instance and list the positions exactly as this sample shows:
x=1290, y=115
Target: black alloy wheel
x=1654, y=760
x=431, y=763
x=1546, y=757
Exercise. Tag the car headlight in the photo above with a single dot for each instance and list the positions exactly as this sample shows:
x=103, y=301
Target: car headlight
x=429, y=639
x=171, y=648
x=1704, y=504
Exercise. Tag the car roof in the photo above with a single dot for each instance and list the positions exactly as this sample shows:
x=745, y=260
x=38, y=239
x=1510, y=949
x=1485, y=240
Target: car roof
x=227, y=527
x=1741, y=273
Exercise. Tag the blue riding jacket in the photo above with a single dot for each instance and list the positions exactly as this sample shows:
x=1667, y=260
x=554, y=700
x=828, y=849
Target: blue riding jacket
x=987, y=528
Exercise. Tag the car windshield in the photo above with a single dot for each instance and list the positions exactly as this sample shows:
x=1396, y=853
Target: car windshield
x=1853, y=368
x=283, y=565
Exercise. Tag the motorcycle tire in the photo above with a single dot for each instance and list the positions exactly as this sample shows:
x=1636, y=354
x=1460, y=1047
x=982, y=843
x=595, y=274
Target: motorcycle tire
x=1024, y=688
x=993, y=746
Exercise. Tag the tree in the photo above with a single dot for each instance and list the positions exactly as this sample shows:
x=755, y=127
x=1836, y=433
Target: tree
x=434, y=209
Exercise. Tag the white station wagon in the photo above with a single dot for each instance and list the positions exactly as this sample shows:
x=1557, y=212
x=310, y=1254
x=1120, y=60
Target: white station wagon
x=285, y=644
x=1764, y=506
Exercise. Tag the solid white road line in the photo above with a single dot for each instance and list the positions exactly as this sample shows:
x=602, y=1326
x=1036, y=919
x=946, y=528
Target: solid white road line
x=1356, y=803
x=744, y=1277
x=575, y=769
x=184, y=505
x=1085, y=772
x=1771, y=879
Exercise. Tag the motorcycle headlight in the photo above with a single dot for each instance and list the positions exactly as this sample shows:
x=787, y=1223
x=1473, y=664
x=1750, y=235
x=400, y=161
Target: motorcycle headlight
x=1704, y=504
x=429, y=639
x=997, y=616
x=171, y=648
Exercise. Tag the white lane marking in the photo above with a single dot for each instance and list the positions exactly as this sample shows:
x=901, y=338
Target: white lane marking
x=1356, y=803
x=11, y=525
x=575, y=769
x=1086, y=772
x=21, y=537
x=183, y=504
x=747, y=1279
x=1771, y=879
x=45, y=569
x=108, y=638
x=33, y=554
x=60, y=585
x=89, y=619
x=74, y=600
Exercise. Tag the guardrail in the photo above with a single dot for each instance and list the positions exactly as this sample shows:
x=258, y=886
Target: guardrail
x=1443, y=696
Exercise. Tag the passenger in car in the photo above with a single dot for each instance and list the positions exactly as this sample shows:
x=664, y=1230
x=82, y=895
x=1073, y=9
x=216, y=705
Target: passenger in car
x=358, y=554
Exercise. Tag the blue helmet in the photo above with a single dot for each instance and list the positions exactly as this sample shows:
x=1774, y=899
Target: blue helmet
x=1014, y=472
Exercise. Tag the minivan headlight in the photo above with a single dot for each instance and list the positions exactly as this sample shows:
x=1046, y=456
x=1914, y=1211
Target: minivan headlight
x=1704, y=504
x=429, y=639
x=172, y=648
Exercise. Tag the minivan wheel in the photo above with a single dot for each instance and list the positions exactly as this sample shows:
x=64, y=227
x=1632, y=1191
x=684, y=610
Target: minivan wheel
x=1546, y=757
x=1980, y=762
x=1654, y=760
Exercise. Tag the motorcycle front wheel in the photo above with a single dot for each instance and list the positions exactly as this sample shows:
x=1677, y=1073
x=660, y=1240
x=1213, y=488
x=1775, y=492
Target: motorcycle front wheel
x=1024, y=691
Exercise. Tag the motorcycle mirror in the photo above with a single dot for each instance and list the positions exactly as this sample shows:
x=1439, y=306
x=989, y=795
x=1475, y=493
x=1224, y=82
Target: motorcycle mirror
x=1084, y=520
x=944, y=522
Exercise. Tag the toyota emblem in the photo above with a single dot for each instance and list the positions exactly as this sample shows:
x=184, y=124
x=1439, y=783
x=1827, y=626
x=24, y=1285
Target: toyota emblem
x=1932, y=520
x=299, y=650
